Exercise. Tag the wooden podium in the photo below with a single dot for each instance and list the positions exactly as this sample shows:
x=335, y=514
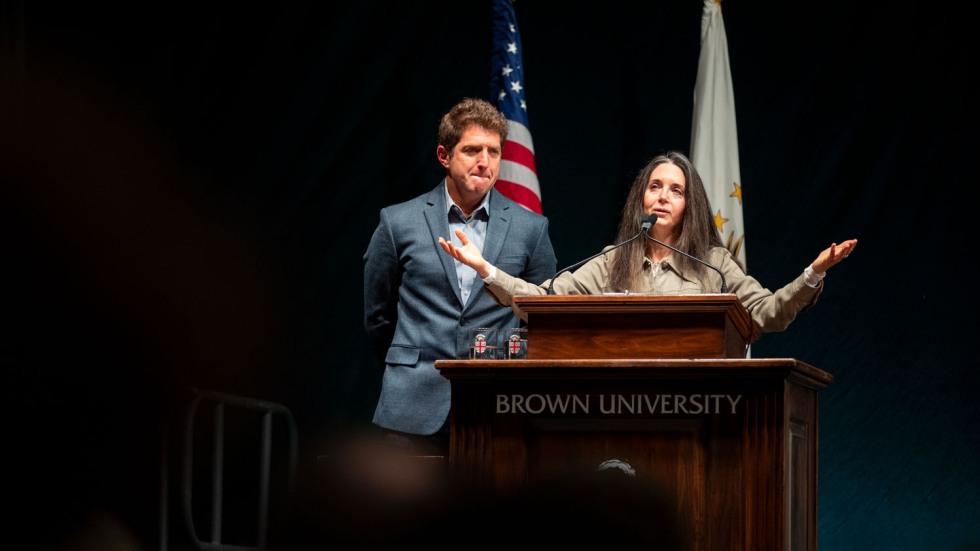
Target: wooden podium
x=636, y=326
x=732, y=441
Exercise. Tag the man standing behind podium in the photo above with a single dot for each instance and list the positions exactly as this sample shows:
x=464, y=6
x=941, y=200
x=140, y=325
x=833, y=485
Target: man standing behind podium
x=419, y=303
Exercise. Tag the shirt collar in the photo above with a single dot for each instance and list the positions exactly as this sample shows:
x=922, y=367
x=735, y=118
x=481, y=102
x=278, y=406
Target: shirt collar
x=668, y=264
x=484, y=204
x=664, y=265
x=648, y=262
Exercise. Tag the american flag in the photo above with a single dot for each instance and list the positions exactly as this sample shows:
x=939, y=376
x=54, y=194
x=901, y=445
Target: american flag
x=518, y=173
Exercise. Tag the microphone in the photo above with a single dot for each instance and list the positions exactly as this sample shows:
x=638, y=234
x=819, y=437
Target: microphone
x=724, y=286
x=648, y=222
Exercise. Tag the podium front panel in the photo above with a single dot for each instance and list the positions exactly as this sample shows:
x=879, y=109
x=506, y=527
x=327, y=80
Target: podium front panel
x=731, y=442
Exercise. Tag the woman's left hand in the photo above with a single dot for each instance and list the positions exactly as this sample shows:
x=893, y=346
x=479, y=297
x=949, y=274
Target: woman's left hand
x=833, y=254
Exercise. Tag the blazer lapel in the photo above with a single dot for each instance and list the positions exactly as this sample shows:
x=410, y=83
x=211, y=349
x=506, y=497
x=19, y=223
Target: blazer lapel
x=436, y=216
x=497, y=228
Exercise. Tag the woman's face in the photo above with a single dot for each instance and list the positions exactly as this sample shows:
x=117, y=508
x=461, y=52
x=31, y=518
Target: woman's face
x=666, y=197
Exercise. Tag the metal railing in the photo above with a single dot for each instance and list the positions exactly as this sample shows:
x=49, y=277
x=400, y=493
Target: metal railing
x=220, y=403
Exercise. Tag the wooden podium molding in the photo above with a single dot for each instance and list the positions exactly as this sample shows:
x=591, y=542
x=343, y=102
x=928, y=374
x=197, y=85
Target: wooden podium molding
x=739, y=458
x=636, y=326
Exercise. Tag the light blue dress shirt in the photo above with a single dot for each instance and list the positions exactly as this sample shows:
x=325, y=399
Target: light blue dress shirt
x=475, y=228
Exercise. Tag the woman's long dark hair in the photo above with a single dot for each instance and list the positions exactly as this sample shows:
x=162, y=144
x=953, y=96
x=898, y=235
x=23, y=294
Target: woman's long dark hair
x=696, y=234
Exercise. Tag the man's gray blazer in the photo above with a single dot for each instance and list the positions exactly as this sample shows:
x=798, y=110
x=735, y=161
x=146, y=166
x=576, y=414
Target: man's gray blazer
x=413, y=312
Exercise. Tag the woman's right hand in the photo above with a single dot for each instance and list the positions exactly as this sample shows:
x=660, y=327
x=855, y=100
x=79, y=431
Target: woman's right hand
x=468, y=254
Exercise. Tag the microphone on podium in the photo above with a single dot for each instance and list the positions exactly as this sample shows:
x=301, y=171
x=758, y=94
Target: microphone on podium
x=645, y=226
x=724, y=286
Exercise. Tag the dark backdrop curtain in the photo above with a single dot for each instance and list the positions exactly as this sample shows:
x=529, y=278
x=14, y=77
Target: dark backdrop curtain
x=193, y=190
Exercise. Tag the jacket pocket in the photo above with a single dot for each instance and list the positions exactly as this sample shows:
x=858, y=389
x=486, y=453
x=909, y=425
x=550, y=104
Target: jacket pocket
x=403, y=355
x=512, y=264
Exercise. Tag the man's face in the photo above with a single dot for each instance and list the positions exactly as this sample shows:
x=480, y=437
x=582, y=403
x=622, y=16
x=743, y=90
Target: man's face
x=474, y=164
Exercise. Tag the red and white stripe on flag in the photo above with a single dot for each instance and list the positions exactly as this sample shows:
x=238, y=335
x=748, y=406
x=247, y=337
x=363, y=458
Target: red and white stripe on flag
x=518, y=173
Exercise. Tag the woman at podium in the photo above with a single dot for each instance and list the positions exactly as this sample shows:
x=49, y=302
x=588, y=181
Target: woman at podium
x=667, y=244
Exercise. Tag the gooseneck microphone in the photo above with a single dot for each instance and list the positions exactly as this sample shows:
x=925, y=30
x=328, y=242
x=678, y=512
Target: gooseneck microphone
x=724, y=286
x=644, y=228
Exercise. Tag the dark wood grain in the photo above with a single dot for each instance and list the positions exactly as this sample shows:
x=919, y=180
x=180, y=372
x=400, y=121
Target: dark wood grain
x=636, y=326
x=742, y=478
